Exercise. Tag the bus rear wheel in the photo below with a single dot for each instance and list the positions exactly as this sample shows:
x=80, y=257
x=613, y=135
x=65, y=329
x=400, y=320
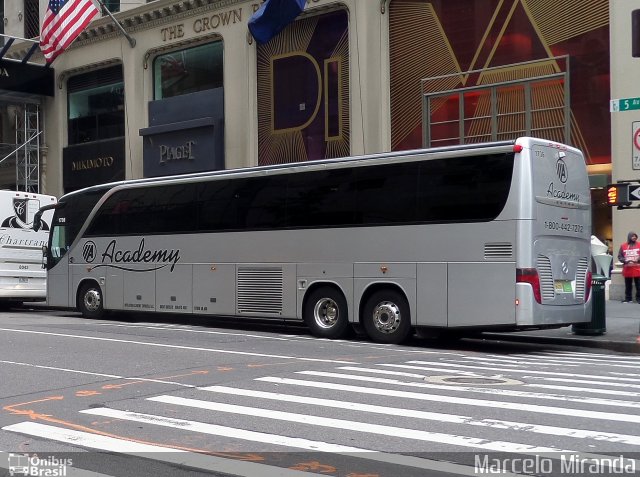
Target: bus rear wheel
x=325, y=313
x=386, y=317
x=90, y=302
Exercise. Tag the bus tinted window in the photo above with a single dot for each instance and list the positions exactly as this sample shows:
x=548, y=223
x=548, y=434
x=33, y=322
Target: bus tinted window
x=142, y=211
x=464, y=188
x=387, y=194
x=261, y=202
x=321, y=198
x=216, y=206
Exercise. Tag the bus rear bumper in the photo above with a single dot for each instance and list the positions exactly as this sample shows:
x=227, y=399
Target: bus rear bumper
x=531, y=314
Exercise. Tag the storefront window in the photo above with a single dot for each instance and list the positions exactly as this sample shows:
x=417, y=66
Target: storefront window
x=96, y=106
x=188, y=71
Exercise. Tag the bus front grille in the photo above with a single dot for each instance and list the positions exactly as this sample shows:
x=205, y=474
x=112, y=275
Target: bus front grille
x=545, y=273
x=260, y=290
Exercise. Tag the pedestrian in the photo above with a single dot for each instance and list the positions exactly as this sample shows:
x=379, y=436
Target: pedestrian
x=629, y=255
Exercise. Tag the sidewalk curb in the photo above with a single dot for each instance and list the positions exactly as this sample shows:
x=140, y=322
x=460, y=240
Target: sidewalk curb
x=622, y=346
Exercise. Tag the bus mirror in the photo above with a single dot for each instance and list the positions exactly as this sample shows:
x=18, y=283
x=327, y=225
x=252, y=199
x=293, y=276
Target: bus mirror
x=37, y=221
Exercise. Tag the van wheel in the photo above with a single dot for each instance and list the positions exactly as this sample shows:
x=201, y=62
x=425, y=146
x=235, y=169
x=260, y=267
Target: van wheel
x=325, y=313
x=90, y=301
x=386, y=317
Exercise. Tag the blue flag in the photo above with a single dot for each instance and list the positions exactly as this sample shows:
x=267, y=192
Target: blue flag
x=272, y=17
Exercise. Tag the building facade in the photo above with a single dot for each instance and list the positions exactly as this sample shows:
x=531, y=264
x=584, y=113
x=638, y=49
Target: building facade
x=193, y=91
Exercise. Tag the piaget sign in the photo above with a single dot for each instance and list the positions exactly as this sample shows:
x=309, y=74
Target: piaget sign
x=212, y=22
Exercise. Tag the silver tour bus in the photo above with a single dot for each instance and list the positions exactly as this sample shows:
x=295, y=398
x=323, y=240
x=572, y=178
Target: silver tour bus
x=490, y=236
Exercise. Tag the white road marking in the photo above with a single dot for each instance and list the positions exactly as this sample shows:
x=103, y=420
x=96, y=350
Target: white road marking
x=279, y=440
x=169, y=346
x=469, y=389
x=102, y=375
x=560, y=411
x=431, y=416
x=355, y=426
x=427, y=367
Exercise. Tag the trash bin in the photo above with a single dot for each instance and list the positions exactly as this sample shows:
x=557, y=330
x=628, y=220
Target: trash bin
x=597, y=325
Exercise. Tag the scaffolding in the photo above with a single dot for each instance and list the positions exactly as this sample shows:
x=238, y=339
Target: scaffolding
x=28, y=153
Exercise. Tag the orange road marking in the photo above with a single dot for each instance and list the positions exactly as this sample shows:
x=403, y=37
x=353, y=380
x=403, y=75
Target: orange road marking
x=315, y=466
x=70, y=425
x=87, y=393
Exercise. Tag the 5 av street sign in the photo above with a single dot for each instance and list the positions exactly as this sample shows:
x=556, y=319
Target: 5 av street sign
x=624, y=104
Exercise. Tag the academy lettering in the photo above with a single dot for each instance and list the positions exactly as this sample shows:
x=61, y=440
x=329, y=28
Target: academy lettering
x=562, y=193
x=113, y=255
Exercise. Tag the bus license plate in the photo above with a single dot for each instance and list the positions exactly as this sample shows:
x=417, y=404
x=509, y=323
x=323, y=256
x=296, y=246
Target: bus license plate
x=563, y=286
x=23, y=280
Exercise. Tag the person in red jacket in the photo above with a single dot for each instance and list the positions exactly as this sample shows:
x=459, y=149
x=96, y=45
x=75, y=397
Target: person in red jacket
x=629, y=255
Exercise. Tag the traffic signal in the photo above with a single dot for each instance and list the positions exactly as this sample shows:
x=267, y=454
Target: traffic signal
x=618, y=194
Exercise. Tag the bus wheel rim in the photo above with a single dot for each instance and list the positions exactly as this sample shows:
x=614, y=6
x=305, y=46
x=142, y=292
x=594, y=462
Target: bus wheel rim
x=326, y=313
x=92, y=300
x=387, y=317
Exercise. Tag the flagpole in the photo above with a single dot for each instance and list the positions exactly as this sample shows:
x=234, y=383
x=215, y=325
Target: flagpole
x=132, y=41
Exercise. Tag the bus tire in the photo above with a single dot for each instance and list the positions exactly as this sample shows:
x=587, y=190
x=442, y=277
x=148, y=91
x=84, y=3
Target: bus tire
x=325, y=313
x=386, y=317
x=90, y=301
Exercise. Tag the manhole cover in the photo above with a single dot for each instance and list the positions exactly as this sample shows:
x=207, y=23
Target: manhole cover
x=472, y=380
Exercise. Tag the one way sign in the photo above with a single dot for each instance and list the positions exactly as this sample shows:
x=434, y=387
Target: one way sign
x=634, y=192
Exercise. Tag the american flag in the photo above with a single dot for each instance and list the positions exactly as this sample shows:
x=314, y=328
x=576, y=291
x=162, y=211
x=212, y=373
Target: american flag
x=63, y=22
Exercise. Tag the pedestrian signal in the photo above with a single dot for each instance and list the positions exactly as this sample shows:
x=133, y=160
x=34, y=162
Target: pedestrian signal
x=618, y=194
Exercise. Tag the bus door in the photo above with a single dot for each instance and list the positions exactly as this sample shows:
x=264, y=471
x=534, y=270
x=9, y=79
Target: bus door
x=57, y=264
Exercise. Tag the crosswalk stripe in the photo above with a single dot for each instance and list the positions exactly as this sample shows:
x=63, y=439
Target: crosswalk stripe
x=561, y=411
x=566, y=364
x=226, y=431
x=426, y=366
x=600, y=357
x=159, y=453
x=575, y=389
x=432, y=416
x=469, y=389
x=582, y=381
x=605, y=359
x=279, y=440
x=404, y=433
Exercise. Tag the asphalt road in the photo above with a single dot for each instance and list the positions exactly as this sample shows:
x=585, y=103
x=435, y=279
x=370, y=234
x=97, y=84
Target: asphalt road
x=130, y=397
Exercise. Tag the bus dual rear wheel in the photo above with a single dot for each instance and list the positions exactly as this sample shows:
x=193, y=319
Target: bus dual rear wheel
x=90, y=301
x=386, y=317
x=325, y=313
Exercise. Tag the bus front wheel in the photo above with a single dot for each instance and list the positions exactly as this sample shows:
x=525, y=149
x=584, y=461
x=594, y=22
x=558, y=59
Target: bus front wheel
x=386, y=317
x=90, y=301
x=325, y=313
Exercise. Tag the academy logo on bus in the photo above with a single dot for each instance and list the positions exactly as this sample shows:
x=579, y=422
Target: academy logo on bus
x=119, y=258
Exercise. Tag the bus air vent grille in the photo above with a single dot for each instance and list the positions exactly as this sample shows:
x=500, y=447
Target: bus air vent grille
x=545, y=273
x=495, y=250
x=581, y=278
x=260, y=290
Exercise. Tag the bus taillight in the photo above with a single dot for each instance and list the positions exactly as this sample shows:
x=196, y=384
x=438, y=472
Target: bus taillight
x=530, y=276
x=587, y=286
